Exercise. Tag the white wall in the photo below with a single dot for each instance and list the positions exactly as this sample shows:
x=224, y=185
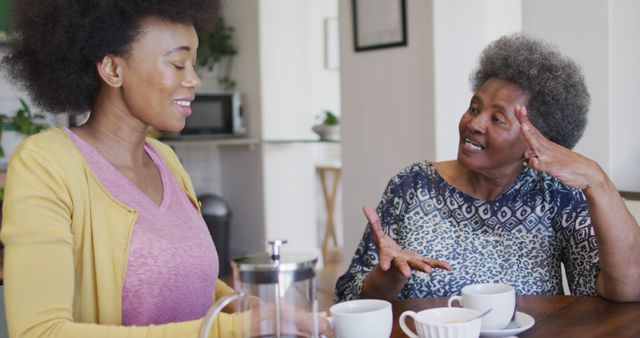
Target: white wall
x=241, y=167
x=284, y=60
x=580, y=28
x=624, y=68
x=280, y=69
x=387, y=100
x=295, y=86
x=8, y=93
x=290, y=195
x=324, y=83
x=402, y=105
x=602, y=36
x=462, y=29
x=244, y=16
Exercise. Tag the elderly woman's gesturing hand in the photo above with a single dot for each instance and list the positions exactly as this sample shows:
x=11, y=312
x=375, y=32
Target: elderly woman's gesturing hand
x=391, y=253
x=569, y=167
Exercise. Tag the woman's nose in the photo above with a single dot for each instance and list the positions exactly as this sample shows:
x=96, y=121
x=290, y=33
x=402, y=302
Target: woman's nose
x=478, y=123
x=192, y=79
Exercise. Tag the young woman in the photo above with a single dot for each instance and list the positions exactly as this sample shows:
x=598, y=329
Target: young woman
x=102, y=230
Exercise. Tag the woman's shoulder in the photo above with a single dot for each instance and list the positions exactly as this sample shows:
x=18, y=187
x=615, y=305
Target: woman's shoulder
x=53, y=143
x=164, y=150
x=159, y=145
x=421, y=168
x=414, y=176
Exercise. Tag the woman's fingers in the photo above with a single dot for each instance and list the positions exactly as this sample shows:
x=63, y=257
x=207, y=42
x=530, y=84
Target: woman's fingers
x=540, y=147
x=379, y=237
x=545, y=155
x=391, y=254
x=374, y=220
x=386, y=257
x=419, y=264
x=402, y=265
x=531, y=134
x=427, y=265
x=434, y=263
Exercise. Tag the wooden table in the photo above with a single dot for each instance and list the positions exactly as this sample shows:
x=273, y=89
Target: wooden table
x=556, y=316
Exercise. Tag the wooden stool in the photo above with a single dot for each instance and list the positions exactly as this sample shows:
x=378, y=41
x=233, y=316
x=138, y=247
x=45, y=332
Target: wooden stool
x=330, y=201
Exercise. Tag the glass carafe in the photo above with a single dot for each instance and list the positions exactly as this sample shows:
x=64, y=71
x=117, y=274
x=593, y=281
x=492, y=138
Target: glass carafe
x=276, y=293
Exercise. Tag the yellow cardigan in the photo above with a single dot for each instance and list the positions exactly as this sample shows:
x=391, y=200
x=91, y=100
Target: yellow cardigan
x=66, y=247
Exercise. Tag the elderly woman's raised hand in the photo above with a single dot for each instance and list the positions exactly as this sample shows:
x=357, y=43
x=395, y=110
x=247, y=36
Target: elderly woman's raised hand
x=393, y=256
x=569, y=167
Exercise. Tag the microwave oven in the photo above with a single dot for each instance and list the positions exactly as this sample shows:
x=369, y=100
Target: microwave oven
x=215, y=114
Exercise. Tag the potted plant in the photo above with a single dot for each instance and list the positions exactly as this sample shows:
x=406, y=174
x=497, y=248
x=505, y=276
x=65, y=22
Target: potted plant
x=329, y=127
x=215, y=53
x=13, y=129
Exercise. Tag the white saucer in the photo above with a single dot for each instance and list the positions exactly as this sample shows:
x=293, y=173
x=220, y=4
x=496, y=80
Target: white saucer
x=520, y=323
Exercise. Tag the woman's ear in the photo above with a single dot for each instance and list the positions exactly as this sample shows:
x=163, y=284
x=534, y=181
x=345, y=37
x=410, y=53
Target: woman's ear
x=110, y=70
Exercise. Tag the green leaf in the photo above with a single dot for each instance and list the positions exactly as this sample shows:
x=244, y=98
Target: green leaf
x=23, y=121
x=218, y=43
x=330, y=118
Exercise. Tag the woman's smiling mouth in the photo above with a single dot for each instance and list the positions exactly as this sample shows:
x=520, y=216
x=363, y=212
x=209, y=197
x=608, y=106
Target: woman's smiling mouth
x=472, y=145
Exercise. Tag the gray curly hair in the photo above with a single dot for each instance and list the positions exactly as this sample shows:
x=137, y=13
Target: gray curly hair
x=559, y=99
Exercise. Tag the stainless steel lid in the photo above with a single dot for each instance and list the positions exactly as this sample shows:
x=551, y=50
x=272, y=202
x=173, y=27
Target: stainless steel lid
x=270, y=268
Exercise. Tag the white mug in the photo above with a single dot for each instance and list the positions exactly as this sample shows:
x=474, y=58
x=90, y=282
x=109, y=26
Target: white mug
x=442, y=322
x=500, y=298
x=370, y=318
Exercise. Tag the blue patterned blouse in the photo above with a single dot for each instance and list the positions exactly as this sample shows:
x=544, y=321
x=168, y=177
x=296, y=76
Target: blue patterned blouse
x=520, y=238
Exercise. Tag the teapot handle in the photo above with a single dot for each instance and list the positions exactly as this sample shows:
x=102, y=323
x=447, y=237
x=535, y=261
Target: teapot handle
x=214, y=310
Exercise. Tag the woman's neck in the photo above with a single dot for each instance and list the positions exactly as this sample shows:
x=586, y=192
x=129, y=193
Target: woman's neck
x=480, y=185
x=116, y=135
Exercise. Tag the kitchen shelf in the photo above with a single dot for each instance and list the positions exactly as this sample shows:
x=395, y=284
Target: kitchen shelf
x=236, y=141
x=299, y=141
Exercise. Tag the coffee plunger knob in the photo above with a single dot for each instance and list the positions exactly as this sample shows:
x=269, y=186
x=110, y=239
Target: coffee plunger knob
x=275, y=248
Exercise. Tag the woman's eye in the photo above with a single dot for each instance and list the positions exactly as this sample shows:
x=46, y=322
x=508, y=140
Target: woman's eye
x=473, y=110
x=179, y=67
x=497, y=120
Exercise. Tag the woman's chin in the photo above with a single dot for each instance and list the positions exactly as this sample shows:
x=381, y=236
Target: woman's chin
x=466, y=161
x=174, y=128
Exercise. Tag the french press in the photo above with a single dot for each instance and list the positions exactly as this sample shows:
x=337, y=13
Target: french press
x=277, y=294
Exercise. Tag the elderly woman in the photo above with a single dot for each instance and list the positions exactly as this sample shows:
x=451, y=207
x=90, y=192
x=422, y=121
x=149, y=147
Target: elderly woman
x=515, y=203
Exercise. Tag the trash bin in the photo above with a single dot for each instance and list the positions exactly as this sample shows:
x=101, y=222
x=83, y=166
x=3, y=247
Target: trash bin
x=217, y=215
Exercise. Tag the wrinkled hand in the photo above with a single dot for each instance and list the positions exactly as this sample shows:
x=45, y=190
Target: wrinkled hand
x=391, y=253
x=569, y=167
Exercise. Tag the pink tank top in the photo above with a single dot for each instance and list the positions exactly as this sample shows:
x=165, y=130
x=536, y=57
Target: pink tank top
x=173, y=263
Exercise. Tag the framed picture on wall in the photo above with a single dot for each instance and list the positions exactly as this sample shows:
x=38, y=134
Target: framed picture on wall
x=379, y=24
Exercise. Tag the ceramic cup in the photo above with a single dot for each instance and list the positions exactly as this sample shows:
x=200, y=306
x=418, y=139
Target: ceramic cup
x=362, y=318
x=500, y=298
x=442, y=322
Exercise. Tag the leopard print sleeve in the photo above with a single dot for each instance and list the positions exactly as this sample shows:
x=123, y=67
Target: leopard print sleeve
x=349, y=285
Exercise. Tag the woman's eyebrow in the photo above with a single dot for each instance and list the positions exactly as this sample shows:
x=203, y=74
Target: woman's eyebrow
x=178, y=49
